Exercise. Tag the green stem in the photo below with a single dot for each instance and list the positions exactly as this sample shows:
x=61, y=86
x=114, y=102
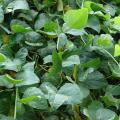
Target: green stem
x=16, y=98
x=75, y=108
x=98, y=48
x=82, y=4
x=112, y=57
x=75, y=72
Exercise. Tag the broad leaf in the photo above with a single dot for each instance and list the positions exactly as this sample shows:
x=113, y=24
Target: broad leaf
x=2, y=117
x=95, y=80
x=94, y=23
x=35, y=98
x=17, y=5
x=57, y=64
x=62, y=41
x=76, y=19
x=27, y=75
x=105, y=114
x=41, y=20
x=117, y=20
x=1, y=15
x=92, y=108
x=68, y=92
x=72, y=60
x=18, y=26
x=117, y=50
x=3, y=58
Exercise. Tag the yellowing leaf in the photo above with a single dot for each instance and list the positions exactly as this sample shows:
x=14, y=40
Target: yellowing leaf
x=6, y=38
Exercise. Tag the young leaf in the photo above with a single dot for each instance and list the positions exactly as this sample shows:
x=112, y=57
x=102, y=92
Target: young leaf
x=117, y=20
x=76, y=19
x=117, y=50
x=2, y=58
x=18, y=26
x=57, y=64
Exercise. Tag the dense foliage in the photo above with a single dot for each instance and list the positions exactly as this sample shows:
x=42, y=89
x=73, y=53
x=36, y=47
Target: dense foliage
x=59, y=59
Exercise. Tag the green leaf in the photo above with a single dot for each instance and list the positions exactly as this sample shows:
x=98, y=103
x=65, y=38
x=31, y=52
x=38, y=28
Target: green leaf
x=49, y=90
x=110, y=101
x=97, y=7
x=38, y=5
x=47, y=50
x=62, y=41
x=105, y=114
x=47, y=59
x=52, y=117
x=11, y=80
x=72, y=60
x=26, y=100
x=92, y=108
x=84, y=75
x=93, y=63
x=18, y=26
x=7, y=81
x=117, y=50
x=57, y=64
x=14, y=65
x=27, y=75
x=2, y=117
x=94, y=23
x=35, y=98
x=50, y=26
x=17, y=5
x=115, y=69
x=75, y=32
x=95, y=80
x=76, y=19
x=60, y=5
x=87, y=4
x=113, y=89
x=59, y=100
x=104, y=41
x=110, y=10
x=41, y=20
x=32, y=37
x=117, y=20
x=22, y=54
x=70, y=94
x=2, y=58
x=1, y=15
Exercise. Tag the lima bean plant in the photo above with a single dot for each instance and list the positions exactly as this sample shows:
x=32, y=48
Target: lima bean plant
x=59, y=59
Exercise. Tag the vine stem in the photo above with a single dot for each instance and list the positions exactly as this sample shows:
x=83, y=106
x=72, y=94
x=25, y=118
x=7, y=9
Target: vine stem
x=82, y=5
x=98, y=48
x=75, y=108
x=16, y=98
x=112, y=57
